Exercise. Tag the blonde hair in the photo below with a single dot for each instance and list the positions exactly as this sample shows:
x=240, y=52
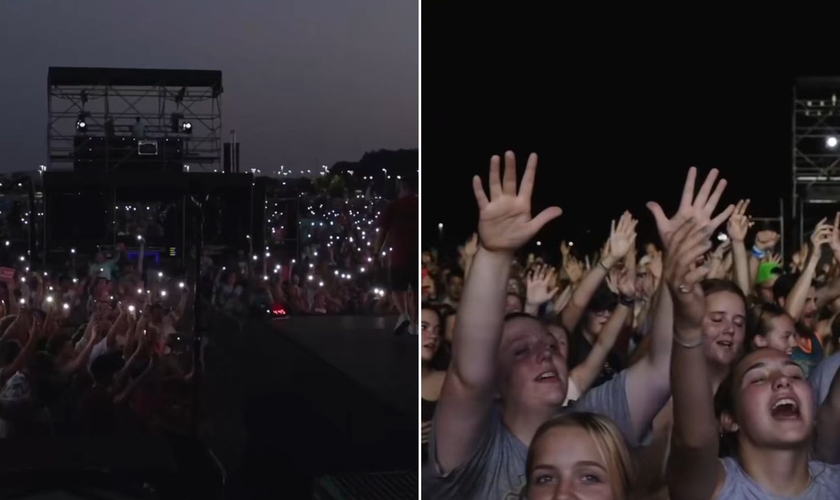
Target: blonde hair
x=608, y=439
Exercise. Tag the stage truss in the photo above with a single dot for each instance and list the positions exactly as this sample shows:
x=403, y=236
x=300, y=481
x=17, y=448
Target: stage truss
x=110, y=100
x=815, y=152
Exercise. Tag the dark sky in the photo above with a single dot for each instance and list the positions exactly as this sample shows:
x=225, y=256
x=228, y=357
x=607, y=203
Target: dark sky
x=306, y=82
x=617, y=111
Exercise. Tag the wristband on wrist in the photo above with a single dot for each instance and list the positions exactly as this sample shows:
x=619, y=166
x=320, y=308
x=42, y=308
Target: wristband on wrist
x=757, y=252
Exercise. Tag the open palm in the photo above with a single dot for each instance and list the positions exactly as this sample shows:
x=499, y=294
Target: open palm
x=700, y=207
x=505, y=223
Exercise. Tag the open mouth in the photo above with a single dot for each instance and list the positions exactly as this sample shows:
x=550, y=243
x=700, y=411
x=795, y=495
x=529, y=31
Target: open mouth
x=548, y=376
x=785, y=409
x=725, y=343
x=430, y=345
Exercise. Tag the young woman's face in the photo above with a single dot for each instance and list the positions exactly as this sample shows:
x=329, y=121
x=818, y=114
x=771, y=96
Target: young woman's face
x=562, y=337
x=781, y=335
x=723, y=327
x=774, y=402
x=568, y=464
x=430, y=330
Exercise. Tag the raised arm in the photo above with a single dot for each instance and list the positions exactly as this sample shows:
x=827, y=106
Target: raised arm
x=795, y=300
x=694, y=471
x=737, y=228
x=505, y=224
x=648, y=386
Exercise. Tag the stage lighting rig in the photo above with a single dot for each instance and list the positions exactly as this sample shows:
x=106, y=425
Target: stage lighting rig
x=81, y=123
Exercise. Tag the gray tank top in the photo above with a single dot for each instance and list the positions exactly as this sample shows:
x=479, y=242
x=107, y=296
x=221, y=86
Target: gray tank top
x=825, y=483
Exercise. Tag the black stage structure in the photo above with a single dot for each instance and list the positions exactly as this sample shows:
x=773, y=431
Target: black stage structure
x=86, y=210
x=144, y=119
x=315, y=403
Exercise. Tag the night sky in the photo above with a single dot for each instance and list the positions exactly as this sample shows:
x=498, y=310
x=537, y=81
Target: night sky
x=306, y=83
x=617, y=114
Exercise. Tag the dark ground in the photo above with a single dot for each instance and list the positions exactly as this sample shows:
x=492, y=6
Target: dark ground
x=310, y=396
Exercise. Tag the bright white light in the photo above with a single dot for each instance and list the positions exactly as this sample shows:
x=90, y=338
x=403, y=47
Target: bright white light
x=831, y=142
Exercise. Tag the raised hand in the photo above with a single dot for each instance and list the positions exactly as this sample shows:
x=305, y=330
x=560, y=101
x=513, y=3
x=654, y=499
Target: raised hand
x=688, y=243
x=564, y=249
x=622, y=237
x=471, y=246
x=622, y=282
x=573, y=269
x=822, y=234
x=505, y=223
x=700, y=207
x=773, y=258
x=540, y=287
x=834, y=242
x=720, y=251
x=739, y=223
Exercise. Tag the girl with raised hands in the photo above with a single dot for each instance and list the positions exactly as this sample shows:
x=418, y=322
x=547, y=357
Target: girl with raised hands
x=507, y=376
x=765, y=402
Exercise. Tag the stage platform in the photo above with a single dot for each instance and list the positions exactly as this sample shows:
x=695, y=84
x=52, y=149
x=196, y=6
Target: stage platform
x=306, y=397
x=365, y=349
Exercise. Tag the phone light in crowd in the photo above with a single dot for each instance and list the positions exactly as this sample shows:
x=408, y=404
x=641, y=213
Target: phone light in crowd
x=139, y=238
x=309, y=277
x=723, y=237
x=23, y=279
x=160, y=275
x=321, y=283
x=265, y=277
x=131, y=309
x=23, y=302
x=139, y=291
x=75, y=280
x=163, y=293
x=267, y=255
x=336, y=272
x=65, y=306
x=831, y=142
x=49, y=298
x=362, y=270
x=7, y=242
x=22, y=258
x=255, y=257
x=181, y=285
x=539, y=243
x=72, y=250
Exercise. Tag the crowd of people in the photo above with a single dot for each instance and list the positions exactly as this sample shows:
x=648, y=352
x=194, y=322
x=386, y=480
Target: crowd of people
x=689, y=368
x=98, y=349
x=103, y=344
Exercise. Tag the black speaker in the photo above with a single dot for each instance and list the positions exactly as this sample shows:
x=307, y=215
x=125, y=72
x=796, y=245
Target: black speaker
x=76, y=217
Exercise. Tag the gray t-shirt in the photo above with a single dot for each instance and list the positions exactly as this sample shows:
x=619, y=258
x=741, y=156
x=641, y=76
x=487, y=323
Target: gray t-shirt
x=822, y=375
x=825, y=479
x=496, y=470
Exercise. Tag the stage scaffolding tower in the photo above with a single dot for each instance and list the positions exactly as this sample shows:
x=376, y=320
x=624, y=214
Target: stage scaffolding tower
x=181, y=106
x=815, y=153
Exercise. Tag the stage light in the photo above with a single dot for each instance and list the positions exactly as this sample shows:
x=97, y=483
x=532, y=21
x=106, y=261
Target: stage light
x=186, y=127
x=831, y=142
x=80, y=124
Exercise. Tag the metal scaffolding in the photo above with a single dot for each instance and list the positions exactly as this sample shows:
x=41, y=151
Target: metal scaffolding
x=181, y=106
x=815, y=152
